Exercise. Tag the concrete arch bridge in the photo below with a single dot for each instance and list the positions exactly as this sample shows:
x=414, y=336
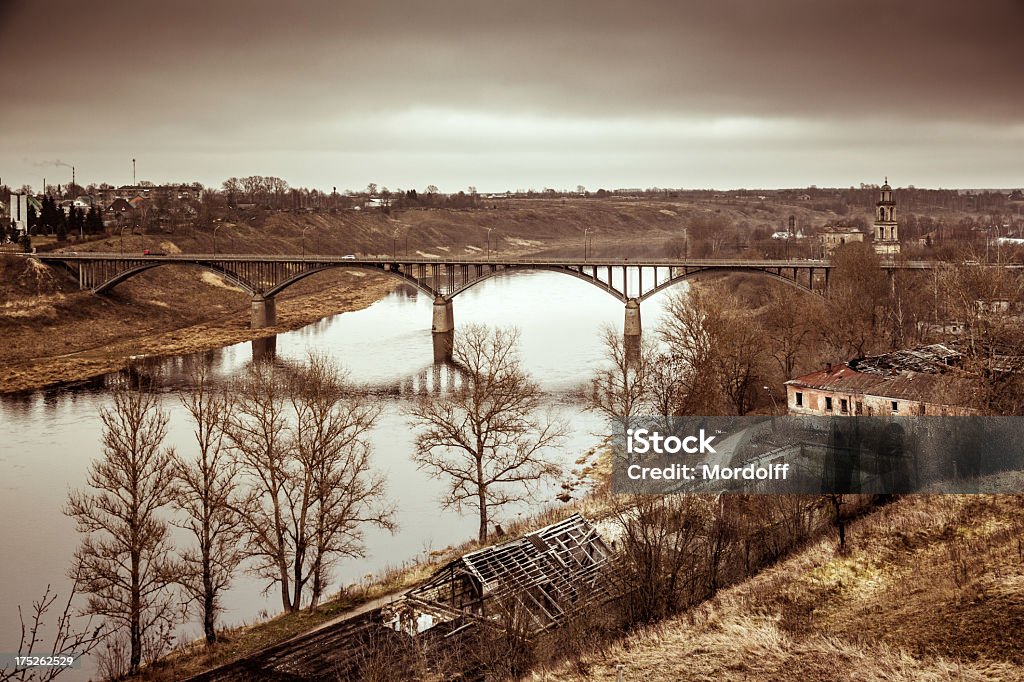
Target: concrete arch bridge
x=265, y=276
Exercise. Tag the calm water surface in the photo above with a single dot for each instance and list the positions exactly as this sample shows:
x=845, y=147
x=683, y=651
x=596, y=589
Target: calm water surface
x=47, y=438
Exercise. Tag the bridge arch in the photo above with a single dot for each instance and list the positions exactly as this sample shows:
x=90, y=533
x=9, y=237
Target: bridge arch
x=619, y=295
x=710, y=271
x=540, y=267
x=382, y=268
x=231, y=277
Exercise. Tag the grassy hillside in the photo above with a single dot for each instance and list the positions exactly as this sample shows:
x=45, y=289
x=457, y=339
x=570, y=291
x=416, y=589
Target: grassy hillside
x=551, y=226
x=932, y=588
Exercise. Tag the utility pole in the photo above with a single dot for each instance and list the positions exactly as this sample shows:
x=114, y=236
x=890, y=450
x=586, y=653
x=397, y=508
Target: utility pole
x=133, y=173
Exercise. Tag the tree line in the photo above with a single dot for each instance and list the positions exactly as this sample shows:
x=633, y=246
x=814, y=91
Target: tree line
x=279, y=482
x=727, y=346
x=51, y=219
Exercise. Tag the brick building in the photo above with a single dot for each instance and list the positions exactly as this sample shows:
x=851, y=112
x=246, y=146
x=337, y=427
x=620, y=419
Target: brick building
x=914, y=382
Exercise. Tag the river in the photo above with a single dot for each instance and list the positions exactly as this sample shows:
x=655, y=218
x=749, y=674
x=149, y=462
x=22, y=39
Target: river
x=48, y=437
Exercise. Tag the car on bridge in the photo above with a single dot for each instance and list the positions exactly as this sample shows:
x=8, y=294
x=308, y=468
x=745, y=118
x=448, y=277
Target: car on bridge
x=148, y=252
x=349, y=256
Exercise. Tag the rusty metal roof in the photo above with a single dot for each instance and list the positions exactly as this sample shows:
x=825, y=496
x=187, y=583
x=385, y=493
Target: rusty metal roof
x=905, y=385
x=933, y=359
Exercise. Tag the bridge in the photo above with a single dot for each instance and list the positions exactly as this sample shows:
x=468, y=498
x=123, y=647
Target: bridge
x=262, y=276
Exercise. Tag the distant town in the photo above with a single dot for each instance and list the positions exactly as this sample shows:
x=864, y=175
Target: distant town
x=983, y=219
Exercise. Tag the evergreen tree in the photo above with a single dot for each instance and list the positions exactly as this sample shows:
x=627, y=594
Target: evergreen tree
x=33, y=218
x=76, y=221
x=60, y=227
x=48, y=215
x=94, y=221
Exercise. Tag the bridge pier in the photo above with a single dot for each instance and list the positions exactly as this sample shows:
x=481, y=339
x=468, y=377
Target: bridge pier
x=443, y=329
x=631, y=330
x=263, y=312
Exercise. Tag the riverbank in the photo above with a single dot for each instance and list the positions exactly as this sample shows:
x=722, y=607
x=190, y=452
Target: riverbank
x=242, y=642
x=54, y=334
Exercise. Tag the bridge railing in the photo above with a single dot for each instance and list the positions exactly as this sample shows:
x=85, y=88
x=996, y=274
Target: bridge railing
x=653, y=262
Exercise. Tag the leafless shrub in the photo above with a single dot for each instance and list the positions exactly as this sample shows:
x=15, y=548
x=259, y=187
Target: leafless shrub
x=388, y=657
x=68, y=638
x=662, y=566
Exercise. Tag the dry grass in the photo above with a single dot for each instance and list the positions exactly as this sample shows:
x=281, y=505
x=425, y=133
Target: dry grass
x=932, y=588
x=194, y=658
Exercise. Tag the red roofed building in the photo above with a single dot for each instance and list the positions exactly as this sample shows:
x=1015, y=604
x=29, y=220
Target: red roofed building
x=904, y=383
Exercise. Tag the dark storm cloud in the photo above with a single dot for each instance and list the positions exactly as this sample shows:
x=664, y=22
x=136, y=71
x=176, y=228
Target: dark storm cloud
x=281, y=77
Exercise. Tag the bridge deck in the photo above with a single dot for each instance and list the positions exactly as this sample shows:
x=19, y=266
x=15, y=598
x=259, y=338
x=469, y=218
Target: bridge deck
x=377, y=260
x=265, y=275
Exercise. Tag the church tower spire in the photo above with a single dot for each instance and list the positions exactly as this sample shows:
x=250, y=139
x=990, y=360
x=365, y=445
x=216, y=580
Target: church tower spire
x=887, y=239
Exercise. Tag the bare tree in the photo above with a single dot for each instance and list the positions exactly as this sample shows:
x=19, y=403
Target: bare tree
x=632, y=385
x=691, y=347
x=252, y=185
x=717, y=345
x=787, y=329
x=739, y=344
x=301, y=441
x=68, y=638
x=484, y=436
x=620, y=388
x=339, y=494
x=858, y=298
x=984, y=302
x=125, y=560
x=666, y=389
x=259, y=438
x=208, y=484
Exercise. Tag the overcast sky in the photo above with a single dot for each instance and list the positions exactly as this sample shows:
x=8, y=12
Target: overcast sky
x=508, y=95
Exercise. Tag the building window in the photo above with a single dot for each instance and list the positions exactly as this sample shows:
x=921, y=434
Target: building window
x=828, y=404
x=799, y=399
x=860, y=407
x=895, y=407
x=843, y=406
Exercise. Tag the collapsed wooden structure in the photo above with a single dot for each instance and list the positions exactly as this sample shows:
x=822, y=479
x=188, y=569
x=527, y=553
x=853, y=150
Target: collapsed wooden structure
x=541, y=579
